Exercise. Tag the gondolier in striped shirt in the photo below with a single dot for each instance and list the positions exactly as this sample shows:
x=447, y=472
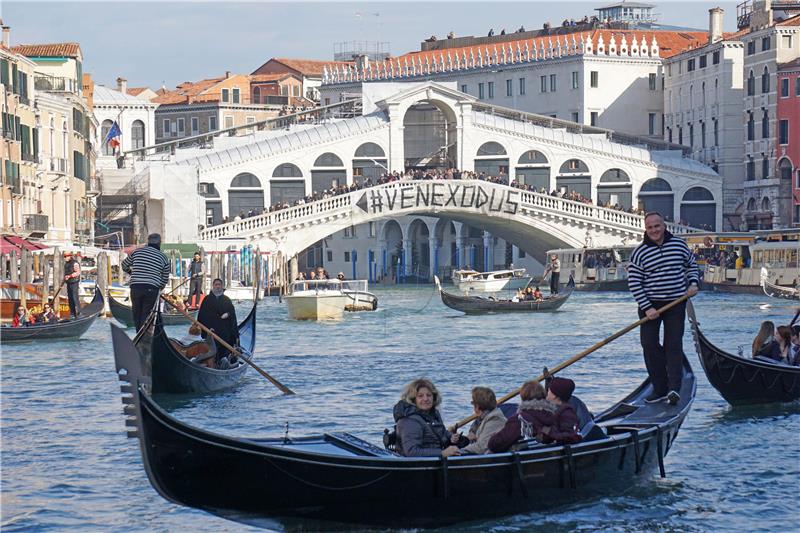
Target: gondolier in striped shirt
x=149, y=270
x=662, y=269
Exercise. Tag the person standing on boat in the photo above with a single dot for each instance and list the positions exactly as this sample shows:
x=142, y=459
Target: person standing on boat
x=149, y=270
x=554, y=269
x=196, y=274
x=662, y=269
x=72, y=278
x=218, y=314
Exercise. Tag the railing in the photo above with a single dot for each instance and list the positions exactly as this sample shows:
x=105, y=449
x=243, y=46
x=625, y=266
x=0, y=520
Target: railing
x=58, y=164
x=30, y=158
x=54, y=84
x=35, y=223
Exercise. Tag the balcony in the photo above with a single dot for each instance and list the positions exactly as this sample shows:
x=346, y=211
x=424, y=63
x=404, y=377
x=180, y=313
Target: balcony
x=24, y=100
x=30, y=158
x=54, y=84
x=58, y=164
x=35, y=225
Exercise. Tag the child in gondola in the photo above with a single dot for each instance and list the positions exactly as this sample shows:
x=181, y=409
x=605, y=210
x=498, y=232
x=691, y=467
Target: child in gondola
x=22, y=318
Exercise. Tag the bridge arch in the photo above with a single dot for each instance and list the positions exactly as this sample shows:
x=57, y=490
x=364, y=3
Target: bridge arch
x=418, y=241
x=430, y=138
x=615, y=188
x=369, y=162
x=391, y=244
x=656, y=195
x=245, y=195
x=328, y=171
x=574, y=175
x=287, y=184
x=492, y=158
x=699, y=209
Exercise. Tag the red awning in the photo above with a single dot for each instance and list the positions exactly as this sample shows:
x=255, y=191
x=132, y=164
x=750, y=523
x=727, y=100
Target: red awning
x=13, y=244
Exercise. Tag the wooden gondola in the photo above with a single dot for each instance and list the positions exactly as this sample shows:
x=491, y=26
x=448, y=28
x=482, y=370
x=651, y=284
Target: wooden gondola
x=63, y=329
x=340, y=477
x=743, y=380
x=777, y=291
x=479, y=304
x=124, y=313
x=174, y=373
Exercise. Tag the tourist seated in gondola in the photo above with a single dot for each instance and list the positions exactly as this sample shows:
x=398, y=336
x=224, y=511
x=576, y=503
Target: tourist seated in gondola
x=490, y=420
x=529, y=295
x=534, y=413
x=566, y=429
x=218, y=314
x=22, y=318
x=783, y=339
x=764, y=345
x=420, y=430
x=537, y=294
x=47, y=316
x=795, y=351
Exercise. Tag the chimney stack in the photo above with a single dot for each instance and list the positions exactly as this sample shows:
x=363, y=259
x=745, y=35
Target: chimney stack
x=6, y=35
x=715, y=24
x=227, y=74
x=122, y=85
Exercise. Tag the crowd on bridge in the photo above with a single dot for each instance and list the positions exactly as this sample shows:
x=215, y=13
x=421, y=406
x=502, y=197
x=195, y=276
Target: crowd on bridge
x=361, y=182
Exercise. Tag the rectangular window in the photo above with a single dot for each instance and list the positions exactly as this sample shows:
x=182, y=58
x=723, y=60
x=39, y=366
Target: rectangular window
x=691, y=135
x=715, y=58
x=575, y=83
x=212, y=123
x=347, y=257
x=716, y=133
x=348, y=232
x=652, y=81
x=195, y=125
x=464, y=88
x=786, y=41
x=783, y=131
x=481, y=95
x=669, y=70
x=751, y=85
x=751, y=127
x=651, y=123
x=522, y=86
x=690, y=65
x=372, y=230
x=593, y=118
x=166, y=127
x=228, y=122
x=575, y=116
x=491, y=89
x=181, y=126
x=703, y=61
x=225, y=95
x=751, y=48
x=784, y=87
x=235, y=95
x=543, y=80
x=765, y=167
x=509, y=88
x=703, y=134
x=593, y=78
x=797, y=86
x=750, y=168
x=764, y=44
x=552, y=83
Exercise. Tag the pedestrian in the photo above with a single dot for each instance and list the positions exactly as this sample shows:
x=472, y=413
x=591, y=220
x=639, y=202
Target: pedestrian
x=149, y=270
x=196, y=274
x=554, y=269
x=662, y=269
x=218, y=314
x=72, y=278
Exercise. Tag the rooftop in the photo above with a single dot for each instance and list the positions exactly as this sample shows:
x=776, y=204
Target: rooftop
x=48, y=50
x=105, y=96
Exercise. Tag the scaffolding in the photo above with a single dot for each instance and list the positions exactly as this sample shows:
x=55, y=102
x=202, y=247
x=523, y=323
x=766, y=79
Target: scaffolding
x=350, y=50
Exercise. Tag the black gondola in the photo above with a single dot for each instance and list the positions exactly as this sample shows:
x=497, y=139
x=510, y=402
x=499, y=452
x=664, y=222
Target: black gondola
x=123, y=312
x=773, y=290
x=63, y=329
x=174, y=373
x=742, y=380
x=337, y=476
x=480, y=305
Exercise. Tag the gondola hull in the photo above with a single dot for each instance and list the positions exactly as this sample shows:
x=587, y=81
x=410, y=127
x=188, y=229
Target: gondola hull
x=64, y=329
x=480, y=305
x=599, y=286
x=173, y=373
x=743, y=380
x=343, y=478
x=123, y=313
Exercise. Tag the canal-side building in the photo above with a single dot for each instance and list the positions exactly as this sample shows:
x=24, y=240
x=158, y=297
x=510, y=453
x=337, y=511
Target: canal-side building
x=309, y=71
x=788, y=131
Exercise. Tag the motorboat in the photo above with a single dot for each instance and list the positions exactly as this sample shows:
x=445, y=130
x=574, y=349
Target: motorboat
x=317, y=299
x=240, y=293
x=360, y=297
x=493, y=281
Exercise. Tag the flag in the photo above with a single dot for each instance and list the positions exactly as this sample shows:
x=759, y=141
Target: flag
x=113, y=136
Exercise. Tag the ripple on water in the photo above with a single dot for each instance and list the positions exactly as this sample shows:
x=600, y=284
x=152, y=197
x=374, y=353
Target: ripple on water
x=67, y=464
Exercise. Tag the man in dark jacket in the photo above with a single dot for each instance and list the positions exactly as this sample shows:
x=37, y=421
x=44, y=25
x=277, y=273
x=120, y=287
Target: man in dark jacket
x=565, y=429
x=72, y=278
x=218, y=314
x=196, y=274
x=149, y=270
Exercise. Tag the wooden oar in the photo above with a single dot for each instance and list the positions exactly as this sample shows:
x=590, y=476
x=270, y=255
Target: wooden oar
x=281, y=386
x=568, y=362
x=797, y=314
x=55, y=299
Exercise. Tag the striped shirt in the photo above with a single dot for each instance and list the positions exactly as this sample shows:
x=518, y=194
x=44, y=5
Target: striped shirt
x=147, y=266
x=661, y=273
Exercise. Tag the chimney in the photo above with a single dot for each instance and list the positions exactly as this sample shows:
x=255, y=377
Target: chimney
x=715, y=24
x=227, y=74
x=122, y=85
x=6, y=35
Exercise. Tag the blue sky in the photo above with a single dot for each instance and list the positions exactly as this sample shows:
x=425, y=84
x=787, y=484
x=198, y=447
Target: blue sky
x=153, y=43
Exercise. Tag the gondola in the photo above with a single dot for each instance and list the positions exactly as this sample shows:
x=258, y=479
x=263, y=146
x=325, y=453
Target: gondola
x=123, y=312
x=174, y=373
x=340, y=477
x=777, y=291
x=743, y=380
x=63, y=329
x=479, y=304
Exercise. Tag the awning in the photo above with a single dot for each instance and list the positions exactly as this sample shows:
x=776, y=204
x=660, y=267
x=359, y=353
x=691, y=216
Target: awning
x=13, y=244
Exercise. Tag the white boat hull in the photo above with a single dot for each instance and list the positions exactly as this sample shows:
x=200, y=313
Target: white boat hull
x=240, y=294
x=316, y=306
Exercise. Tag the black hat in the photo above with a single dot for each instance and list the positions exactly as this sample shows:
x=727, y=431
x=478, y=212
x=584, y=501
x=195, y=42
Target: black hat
x=562, y=387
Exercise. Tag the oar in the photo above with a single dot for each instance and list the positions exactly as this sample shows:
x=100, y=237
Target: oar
x=281, y=386
x=151, y=316
x=55, y=298
x=797, y=314
x=568, y=362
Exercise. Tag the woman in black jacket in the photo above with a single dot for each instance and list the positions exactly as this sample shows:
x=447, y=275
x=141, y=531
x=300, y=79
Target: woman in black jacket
x=420, y=430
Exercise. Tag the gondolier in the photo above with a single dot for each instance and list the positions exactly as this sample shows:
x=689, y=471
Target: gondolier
x=149, y=270
x=554, y=269
x=196, y=274
x=72, y=278
x=662, y=269
x=217, y=313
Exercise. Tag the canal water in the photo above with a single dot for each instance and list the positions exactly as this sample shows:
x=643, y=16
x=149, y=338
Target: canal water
x=67, y=465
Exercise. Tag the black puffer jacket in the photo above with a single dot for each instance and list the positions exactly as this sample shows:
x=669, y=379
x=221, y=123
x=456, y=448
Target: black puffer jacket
x=419, y=434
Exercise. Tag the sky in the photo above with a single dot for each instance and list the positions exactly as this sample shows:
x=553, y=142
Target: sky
x=155, y=43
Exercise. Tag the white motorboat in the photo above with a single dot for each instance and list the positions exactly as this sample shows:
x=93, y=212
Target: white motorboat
x=494, y=281
x=239, y=293
x=360, y=299
x=315, y=299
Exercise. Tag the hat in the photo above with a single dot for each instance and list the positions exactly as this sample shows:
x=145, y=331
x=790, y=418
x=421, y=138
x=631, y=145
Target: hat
x=562, y=387
x=67, y=252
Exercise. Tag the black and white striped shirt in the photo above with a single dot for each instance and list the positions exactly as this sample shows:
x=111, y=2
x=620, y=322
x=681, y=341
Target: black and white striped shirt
x=661, y=273
x=147, y=266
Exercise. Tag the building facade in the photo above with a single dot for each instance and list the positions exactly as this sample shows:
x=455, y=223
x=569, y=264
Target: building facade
x=788, y=131
x=308, y=71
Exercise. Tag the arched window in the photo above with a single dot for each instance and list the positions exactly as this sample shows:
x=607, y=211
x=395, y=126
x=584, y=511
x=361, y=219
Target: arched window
x=703, y=95
x=615, y=189
x=656, y=195
x=533, y=170
x=765, y=125
x=698, y=208
x=614, y=175
x=698, y=194
x=574, y=166
x=691, y=96
x=245, y=179
x=785, y=169
x=256, y=94
x=656, y=185
x=532, y=157
x=765, y=204
x=751, y=204
x=716, y=90
x=105, y=127
x=370, y=150
x=328, y=160
x=765, y=81
x=287, y=170
x=491, y=148
x=574, y=175
x=137, y=134
x=751, y=83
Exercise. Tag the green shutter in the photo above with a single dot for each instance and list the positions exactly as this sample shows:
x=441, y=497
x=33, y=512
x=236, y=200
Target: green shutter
x=36, y=144
x=4, y=71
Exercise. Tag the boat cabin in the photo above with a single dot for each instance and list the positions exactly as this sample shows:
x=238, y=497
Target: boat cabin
x=594, y=265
